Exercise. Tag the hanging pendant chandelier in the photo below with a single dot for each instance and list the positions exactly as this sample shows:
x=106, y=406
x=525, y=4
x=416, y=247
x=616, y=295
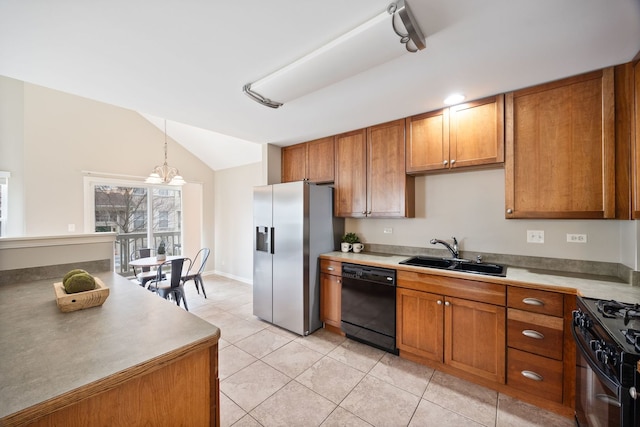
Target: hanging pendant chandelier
x=165, y=174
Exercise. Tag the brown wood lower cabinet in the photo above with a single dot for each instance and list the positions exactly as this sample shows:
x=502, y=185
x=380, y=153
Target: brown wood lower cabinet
x=513, y=339
x=331, y=294
x=474, y=338
x=180, y=392
x=464, y=334
x=535, y=374
x=420, y=324
x=535, y=333
x=541, y=352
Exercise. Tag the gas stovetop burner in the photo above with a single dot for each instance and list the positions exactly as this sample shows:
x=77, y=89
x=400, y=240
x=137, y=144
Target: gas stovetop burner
x=633, y=337
x=613, y=309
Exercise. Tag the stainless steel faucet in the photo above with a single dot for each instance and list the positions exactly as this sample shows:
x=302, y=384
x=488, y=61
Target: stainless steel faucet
x=453, y=249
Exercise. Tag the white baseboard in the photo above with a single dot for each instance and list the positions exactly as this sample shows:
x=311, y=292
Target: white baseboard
x=230, y=276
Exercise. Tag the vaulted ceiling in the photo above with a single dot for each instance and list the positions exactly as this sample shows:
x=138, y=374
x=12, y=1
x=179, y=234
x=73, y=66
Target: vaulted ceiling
x=187, y=61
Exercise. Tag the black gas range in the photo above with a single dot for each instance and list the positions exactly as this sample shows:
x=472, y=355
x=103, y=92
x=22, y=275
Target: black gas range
x=607, y=335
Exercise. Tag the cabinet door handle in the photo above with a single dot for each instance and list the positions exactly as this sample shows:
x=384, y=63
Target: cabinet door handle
x=509, y=211
x=445, y=162
x=532, y=334
x=453, y=161
x=330, y=268
x=532, y=375
x=533, y=301
x=447, y=303
x=364, y=212
x=439, y=302
x=368, y=212
x=339, y=281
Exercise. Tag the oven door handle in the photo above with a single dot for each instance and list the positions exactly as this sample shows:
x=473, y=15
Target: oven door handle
x=608, y=400
x=610, y=383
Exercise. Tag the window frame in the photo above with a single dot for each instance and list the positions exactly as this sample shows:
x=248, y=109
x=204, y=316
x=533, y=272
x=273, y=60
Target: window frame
x=4, y=201
x=90, y=182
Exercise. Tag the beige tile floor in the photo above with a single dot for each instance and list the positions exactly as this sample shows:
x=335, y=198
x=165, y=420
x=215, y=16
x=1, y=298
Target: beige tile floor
x=272, y=377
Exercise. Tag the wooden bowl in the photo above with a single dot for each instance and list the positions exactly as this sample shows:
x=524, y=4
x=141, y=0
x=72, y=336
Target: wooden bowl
x=80, y=300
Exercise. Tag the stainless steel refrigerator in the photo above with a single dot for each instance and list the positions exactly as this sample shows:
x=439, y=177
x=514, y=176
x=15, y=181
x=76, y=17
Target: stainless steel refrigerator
x=293, y=224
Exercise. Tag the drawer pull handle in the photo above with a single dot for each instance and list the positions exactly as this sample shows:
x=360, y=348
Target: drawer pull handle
x=330, y=268
x=532, y=334
x=533, y=301
x=532, y=375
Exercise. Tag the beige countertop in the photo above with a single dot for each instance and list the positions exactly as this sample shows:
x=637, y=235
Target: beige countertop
x=45, y=353
x=601, y=287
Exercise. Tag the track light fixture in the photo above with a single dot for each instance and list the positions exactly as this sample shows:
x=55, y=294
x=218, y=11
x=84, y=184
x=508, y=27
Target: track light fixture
x=362, y=48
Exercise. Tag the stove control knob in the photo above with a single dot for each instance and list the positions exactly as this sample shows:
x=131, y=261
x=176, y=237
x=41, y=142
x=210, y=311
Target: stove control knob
x=602, y=356
x=633, y=393
x=595, y=345
x=584, y=321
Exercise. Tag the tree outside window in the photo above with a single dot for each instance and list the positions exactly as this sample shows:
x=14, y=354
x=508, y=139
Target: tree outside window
x=141, y=216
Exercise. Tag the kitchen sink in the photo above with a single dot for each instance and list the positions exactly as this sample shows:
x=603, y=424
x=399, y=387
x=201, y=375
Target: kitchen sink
x=481, y=268
x=457, y=265
x=422, y=261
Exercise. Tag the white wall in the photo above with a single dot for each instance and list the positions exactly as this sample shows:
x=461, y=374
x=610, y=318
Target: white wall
x=61, y=135
x=470, y=206
x=11, y=150
x=234, y=220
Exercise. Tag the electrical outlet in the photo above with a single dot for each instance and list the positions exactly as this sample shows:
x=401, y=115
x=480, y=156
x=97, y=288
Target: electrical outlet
x=535, y=236
x=388, y=230
x=576, y=238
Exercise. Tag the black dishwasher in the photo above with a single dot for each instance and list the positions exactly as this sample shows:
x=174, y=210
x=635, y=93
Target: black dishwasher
x=369, y=305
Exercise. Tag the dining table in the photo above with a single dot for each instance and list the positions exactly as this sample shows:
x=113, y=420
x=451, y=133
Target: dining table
x=153, y=261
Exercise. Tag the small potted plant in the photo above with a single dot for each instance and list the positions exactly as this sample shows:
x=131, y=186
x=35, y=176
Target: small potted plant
x=161, y=253
x=348, y=240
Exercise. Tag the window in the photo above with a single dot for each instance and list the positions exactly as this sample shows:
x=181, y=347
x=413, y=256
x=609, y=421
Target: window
x=163, y=220
x=4, y=201
x=141, y=215
x=139, y=220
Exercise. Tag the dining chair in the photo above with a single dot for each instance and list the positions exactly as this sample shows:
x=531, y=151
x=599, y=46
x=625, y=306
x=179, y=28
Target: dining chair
x=143, y=274
x=170, y=284
x=198, y=262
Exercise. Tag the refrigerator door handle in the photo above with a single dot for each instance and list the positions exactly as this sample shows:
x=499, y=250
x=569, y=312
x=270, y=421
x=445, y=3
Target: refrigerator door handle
x=273, y=240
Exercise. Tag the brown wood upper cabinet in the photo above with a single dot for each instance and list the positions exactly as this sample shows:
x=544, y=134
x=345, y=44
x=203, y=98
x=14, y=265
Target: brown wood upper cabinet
x=310, y=161
x=370, y=173
x=560, y=149
x=636, y=144
x=469, y=134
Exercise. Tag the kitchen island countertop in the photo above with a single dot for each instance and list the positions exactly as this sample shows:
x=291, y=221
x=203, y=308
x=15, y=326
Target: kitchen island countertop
x=601, y=287
x=51, y=359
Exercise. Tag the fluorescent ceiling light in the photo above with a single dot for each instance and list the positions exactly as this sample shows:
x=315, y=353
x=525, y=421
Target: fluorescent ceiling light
x=364, y=47
x=454, y=98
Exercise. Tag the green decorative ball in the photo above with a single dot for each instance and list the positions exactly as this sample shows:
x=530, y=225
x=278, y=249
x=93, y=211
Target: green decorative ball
x=80, y=282
x=71, y=273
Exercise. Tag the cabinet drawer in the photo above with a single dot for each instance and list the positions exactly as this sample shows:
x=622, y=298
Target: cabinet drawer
x=535, y=333
x=533, y=374
x=543, y=302
x=331, y=267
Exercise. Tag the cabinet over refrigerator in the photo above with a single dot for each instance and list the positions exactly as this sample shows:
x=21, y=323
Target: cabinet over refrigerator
x=293, y=225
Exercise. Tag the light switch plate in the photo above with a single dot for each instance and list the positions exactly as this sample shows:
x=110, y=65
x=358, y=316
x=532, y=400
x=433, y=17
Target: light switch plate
x=535, y=236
